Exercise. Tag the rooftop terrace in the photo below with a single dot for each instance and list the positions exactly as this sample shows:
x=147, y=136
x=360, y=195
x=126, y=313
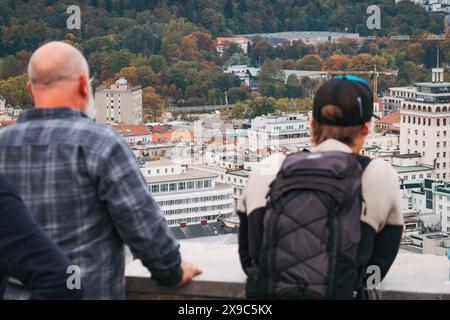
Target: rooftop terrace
x=413, y=276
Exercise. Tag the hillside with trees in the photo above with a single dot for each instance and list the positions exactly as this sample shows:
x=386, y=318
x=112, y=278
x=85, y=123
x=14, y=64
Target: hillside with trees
x=168, y=46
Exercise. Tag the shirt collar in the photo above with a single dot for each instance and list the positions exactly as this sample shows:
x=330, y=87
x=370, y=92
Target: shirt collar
x=49, y=114
x=332, y=145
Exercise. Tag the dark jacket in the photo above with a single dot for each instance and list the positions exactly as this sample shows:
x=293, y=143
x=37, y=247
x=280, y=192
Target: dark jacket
x=27, y=253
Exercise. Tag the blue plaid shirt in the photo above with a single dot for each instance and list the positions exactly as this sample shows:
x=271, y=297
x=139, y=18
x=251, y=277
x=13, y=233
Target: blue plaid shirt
x=83, y=184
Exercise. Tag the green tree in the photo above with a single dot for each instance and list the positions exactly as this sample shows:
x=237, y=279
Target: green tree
x=238, y=59
x=262, y=106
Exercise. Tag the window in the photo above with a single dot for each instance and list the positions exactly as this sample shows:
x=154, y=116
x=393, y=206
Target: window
x=444, y=155
x=155, y=188
x=172, y=186
x=157, y=171
x=207, y=183
x=438, y=133
x=199, y=184
x=438, y=155
x=438, y=122
x=438, y=144
x=182, y=186
x=423, y=143
x=164, y=188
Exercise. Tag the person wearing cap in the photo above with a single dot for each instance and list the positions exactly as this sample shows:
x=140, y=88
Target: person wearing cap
x=342, y=111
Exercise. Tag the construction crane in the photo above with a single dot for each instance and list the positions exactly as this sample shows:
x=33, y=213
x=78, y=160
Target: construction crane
x=374, y=74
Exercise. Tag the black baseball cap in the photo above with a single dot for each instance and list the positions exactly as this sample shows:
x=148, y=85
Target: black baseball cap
x=351, y=94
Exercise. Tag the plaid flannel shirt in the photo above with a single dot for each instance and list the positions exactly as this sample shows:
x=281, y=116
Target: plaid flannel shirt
x=83, y=184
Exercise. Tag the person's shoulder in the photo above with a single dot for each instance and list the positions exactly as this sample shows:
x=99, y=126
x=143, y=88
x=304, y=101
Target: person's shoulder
x=380, y=172
x=380, y=166
x=7, y=187
x=98, y=133
x=270, y=165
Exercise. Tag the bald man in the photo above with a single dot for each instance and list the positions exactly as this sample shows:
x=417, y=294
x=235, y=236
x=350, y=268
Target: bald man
x=83, y=183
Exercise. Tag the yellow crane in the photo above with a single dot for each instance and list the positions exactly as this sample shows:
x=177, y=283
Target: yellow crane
x=373, y=74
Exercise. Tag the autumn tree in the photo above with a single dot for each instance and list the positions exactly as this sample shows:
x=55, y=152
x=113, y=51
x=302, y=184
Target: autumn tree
x=152, y=104
x=312, y=62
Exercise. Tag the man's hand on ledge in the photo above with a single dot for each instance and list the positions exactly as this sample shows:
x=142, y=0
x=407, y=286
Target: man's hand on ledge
x=189, y=272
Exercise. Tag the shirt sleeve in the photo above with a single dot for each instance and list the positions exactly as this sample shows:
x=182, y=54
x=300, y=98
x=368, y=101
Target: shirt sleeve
x=381, y=194
x=136, y=215
x=28, y=254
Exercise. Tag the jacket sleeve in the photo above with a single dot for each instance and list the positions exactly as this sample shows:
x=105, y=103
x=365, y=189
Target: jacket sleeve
x=136, y=215
x=28, y=254
x=382, y=222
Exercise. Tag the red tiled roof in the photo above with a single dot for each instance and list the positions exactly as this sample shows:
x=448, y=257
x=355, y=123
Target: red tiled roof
x=128, y=130
x=223, y=40
x=4, y=123
x=160, y=128
x=391, y=118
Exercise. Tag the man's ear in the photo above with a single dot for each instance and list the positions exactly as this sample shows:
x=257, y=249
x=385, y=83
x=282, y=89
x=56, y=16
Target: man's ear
x=365, y=129
x=83, y=87
x=30, y=90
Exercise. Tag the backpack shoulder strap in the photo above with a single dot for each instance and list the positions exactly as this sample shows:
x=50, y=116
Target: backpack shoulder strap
x=363, y=161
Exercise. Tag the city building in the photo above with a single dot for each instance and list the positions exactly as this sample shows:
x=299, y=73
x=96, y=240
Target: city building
x=2, y=105
x=166, y=133
x=308, y=37
x=410, y=168
x=425, y=124
x=222, y=42
x=431, y=243
x=134, y=133
x=238, y=179
x=248, y=75
x=188, y=196
x=4, y=123
x=120, y=103
x=289, y=130
x=390, y=123
x=395, y=96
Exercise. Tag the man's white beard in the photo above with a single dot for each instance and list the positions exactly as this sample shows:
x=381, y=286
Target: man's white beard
x=90, y=106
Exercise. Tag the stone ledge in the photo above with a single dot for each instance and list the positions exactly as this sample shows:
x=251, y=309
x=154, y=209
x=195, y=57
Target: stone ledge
x=412, y=277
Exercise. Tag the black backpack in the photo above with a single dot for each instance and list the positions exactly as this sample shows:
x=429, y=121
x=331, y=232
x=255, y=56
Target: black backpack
x=311, y=228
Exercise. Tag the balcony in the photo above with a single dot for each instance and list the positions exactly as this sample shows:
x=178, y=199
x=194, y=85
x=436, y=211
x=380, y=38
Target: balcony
x=413, y=276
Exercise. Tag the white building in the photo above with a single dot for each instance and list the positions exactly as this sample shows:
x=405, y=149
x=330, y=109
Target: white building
x=238, y=179
x=425, y=124
x=188, y=196
x=222, y=42
x=395, y=96
x=276, y=131
x=308, y=37
x=2, y=105
x=410, y=168
x=121, y=103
